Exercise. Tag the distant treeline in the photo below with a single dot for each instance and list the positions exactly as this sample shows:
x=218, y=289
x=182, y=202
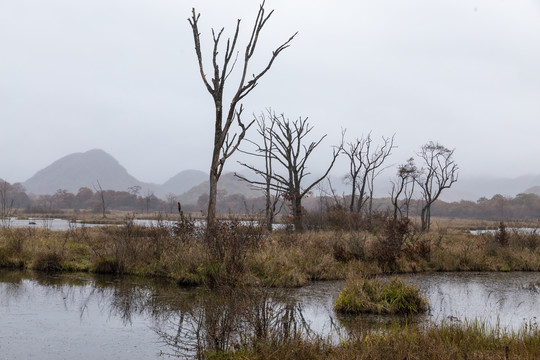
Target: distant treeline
x=13, y=197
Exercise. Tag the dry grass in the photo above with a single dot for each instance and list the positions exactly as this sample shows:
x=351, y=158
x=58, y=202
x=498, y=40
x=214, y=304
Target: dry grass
x=362, y=295
x=277, y=259
x=441, y=342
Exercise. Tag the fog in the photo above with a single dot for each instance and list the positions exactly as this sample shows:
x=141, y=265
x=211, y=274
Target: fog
x=122, y=76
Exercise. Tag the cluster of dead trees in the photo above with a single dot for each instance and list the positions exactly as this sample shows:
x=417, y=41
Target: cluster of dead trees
x=284, y=147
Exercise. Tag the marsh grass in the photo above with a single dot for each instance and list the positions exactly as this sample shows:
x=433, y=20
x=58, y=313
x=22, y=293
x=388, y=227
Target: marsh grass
x=362, y=295
x=446, y=341
x=254, y=257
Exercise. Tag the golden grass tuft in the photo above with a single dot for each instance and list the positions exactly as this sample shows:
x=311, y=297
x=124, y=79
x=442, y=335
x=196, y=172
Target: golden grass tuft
x=362, y=295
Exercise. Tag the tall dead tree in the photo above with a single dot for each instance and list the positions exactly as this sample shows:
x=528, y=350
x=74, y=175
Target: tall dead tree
x=225, y=144
x=263, y=150
x=440, y=172
x=364, y=162
x=291, y=153
x=102, y=197
x=403, y=188
x=6, y=203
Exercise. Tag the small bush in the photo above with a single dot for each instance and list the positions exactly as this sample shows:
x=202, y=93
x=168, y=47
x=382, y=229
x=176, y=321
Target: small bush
x=228, y=244
x=17, y=238
x=502, y=235
x=48, y=261
x=389, y=245
x=8, y=260
x=107, y=265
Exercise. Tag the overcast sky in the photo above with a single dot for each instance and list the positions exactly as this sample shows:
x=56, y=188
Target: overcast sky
x=121, y=75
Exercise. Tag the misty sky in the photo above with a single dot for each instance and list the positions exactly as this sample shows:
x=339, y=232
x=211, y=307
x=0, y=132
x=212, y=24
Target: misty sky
x=121, y=75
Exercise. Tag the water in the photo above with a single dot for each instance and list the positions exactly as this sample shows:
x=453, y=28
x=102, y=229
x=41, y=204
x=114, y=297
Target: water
x=64, y=225
x=49, y=223
x=81, y=316
x=508, y=300
x=509, y=230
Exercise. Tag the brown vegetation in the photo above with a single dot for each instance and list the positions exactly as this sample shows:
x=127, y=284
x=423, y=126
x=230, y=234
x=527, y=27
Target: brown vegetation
x=441, y=342
x=247, y=254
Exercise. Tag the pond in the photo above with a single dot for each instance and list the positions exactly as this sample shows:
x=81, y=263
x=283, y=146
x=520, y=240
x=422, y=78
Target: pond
x=64, y=225
x=44, y=316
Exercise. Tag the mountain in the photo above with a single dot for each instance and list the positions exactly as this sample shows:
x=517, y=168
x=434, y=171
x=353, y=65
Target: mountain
x=183, y=181
x=228, y=185
x=83, y=170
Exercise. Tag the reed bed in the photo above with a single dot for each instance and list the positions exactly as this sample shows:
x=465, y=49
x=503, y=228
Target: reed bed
x=248, y=255
x=446, y=341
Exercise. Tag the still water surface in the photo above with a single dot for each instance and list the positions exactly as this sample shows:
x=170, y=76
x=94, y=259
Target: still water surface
x=95, y=317
x=64, y=225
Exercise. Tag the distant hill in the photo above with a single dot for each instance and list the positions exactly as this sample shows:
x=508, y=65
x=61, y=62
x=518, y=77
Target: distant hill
x=483, y=186
x=183, y=181
x=533, y=190
x=83, y=170
x=228, y=184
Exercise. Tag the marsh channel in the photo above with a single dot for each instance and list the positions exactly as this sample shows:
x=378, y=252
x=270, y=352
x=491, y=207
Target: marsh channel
x=85, y=316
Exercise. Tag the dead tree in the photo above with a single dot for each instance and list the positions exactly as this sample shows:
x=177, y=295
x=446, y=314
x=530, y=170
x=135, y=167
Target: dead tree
x=225, y=144
x=291, y=153
x=102, y=197
x=263, y=150
x=6, y=203
x=403, y=188
x=364, y=162
x=440, y=172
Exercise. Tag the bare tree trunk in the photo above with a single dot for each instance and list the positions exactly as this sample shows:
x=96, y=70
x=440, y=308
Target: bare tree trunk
x=269, y=208
x=102, y=196
x=424, y=219
x=211, y=215
x=298, y=215
x=353, y=195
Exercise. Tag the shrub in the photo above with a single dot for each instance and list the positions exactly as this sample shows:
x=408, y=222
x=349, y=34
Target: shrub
x=8, y=260
x=106, y=265
x=388, y=246
x=349, y=247
x=502, y=236
x=48, y=261
x=227, y=244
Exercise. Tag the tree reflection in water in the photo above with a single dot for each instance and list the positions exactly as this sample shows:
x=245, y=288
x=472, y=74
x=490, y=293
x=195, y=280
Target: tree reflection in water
x=227, y=319
x=189, y=323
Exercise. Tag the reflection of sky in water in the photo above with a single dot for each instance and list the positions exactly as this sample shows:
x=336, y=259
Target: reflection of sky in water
x=52, y=319
x=66, y=322
x=507, y=299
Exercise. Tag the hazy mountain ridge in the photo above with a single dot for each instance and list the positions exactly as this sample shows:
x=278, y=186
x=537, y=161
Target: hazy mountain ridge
x=228, y=185
x=184, y=181
x=78, y=170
